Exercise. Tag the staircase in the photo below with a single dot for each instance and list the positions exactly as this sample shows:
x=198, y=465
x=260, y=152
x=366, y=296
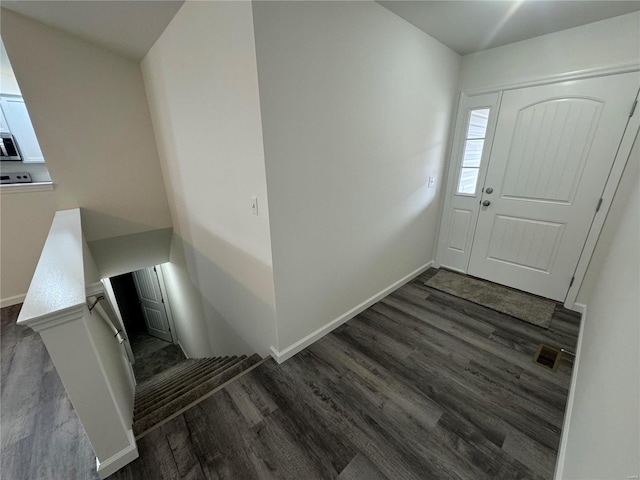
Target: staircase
x=173, y=391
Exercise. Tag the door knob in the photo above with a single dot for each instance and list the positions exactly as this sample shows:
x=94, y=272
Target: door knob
x=486, y=203
x=489, y=190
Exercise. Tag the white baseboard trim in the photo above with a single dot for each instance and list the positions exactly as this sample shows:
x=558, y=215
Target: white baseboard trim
x=564, y=438
x=7, y=302
x=119, y=460
x=290, y=351
x=184, y=352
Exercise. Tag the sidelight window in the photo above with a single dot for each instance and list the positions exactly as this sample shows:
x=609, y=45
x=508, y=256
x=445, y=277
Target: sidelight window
x=472, y=153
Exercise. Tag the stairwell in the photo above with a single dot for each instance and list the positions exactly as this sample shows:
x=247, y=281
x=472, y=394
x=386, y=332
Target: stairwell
x=168, y=394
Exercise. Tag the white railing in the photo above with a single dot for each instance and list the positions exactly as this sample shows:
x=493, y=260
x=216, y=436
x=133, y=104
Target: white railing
x=89, y=358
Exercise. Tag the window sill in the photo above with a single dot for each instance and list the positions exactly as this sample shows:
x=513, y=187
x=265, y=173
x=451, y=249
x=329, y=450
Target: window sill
x=26, y=187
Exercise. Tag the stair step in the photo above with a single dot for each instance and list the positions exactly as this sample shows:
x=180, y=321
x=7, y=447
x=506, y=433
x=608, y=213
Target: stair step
x=174, y=405
x=174, y=372
x=180, y=380
x=179, y=376
x=181, y=385
x=160, y=377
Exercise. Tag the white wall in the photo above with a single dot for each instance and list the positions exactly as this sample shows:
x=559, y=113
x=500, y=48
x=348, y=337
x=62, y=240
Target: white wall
x=610, y=42
x=356, y=110
x=202, y=87
x=604, y=431
x=8, y=82
x=89, y=110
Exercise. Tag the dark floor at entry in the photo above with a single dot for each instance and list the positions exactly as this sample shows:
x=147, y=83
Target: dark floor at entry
x=421, y=385
x=153, y=355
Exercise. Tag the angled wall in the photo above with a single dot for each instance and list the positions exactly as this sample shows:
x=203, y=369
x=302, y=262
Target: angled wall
x=89, y=110
x=202, y=87
x=356, y=109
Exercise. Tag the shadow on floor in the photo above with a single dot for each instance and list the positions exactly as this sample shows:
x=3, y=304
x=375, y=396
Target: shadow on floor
x=153, y=356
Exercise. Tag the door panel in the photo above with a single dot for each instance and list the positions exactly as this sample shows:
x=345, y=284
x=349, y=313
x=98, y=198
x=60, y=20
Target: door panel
x=461, y=208
x=460, y=229
x=524, y=242
x=155, y=315
x=553, y=148
x=551, y=142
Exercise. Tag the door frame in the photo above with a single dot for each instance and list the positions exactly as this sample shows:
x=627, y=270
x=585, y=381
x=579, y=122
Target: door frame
x=157, y=273
x=620, y=161
x=167, y=304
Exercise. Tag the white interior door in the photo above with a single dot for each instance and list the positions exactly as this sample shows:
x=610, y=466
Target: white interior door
x=155, y=315
x=553, y=148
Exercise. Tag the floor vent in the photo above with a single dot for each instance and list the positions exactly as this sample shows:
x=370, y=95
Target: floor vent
x=547, y=357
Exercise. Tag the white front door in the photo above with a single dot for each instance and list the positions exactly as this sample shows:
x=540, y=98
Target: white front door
x=155, y=315
x=552, y=152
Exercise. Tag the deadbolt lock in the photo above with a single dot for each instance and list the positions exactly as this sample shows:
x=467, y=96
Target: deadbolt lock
x=489, y=190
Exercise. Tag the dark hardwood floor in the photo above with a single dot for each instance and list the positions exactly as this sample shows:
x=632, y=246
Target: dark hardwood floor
x=420, y=386
x=41, y=437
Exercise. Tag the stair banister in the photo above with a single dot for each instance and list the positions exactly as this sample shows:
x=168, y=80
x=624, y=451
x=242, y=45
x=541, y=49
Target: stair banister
x=83, y=350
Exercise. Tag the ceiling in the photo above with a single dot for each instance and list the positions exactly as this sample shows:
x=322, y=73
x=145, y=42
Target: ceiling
x=126, y=27
x=471, y=26
x=131, y=27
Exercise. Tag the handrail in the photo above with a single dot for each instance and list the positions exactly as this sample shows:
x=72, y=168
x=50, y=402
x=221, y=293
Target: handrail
x=117, y=332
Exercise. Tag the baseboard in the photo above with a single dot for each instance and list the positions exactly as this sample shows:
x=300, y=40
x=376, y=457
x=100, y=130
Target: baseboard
x=564, y=438
x=184, y=352
x=287, y=353
x=581, y=308
x=119, y=460
x=7, y=302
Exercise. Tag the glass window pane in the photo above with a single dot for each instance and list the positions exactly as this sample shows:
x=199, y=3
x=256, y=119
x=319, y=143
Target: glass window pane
x=468, y=180
x=478, y=123
x=472, y=153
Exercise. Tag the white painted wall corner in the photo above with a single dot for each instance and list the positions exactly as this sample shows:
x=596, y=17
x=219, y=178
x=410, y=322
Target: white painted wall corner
x=564, y=438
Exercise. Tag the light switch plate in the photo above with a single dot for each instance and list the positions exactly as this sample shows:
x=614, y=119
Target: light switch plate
x=254, y=205
x=432, y=182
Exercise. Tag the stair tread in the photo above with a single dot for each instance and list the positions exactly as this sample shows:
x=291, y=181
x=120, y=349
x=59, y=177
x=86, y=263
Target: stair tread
x=170, y=378
x=163, y=410
x=180, y=384
x=170, y=373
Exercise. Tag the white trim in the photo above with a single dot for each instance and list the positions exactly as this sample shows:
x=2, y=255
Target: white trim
x=564, y=438
x=26, y=187
x=556, y=78
x=112, y=301
x=54, y=319
x=94, y=289
x=16, y=299
x=184, y=352
x=167, y=304
x=120, y=459
x=290, y=351
x=611, y=186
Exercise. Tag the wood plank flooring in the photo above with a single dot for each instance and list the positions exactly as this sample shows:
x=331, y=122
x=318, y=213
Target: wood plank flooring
x=41, y=435
x=420, y=386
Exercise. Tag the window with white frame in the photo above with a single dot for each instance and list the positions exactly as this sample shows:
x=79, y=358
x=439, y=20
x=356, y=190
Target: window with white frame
x=472, y=152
